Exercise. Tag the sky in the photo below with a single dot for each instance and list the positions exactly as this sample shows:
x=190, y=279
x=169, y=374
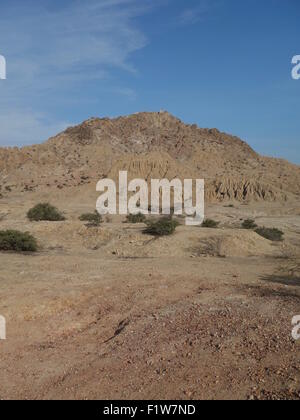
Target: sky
x=217, y=63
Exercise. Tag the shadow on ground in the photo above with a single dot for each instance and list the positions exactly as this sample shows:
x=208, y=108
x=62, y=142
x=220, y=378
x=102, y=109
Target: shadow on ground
x=287, y=280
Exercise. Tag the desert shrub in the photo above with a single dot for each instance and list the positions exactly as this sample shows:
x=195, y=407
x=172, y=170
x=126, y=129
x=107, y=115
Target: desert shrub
x=249, y=224
x=272, y=234
x=209, y=223
x=93, y=219
x=136, y=218
x=13, y=240
x=45, y=212
x=161, y=227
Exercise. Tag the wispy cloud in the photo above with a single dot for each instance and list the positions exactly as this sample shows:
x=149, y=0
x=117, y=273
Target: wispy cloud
x=192, y=15
x=26, y=128
x=49, y=51
x=78, y=37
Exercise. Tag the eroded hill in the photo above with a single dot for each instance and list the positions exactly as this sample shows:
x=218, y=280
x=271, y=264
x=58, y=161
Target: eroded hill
x=148, y=145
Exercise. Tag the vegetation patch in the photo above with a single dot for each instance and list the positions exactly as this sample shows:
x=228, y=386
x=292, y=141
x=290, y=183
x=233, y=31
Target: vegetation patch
x=45, y=212
x=136, y=218
x=249, y=224
x=13, y=240
x=209, y=223
x=162, y=227
x=272, y=234
x=93, y=219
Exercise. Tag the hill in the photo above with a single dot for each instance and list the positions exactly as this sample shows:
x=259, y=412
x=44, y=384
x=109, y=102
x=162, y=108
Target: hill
x=148, y=145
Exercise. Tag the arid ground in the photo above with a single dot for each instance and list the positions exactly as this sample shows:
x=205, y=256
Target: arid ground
x=109, y=313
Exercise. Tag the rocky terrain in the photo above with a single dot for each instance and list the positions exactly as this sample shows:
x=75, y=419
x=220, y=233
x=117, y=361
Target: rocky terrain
x=108, y=312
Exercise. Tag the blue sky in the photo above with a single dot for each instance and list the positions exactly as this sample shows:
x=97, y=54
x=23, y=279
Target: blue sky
x=217, y=63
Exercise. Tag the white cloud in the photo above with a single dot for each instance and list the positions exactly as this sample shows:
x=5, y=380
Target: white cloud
x=50, y=51
x=20, y=128
x=192, y=15
x=94, y=33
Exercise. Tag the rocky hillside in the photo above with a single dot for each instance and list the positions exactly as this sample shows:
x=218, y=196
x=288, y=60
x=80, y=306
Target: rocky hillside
x=148, y=145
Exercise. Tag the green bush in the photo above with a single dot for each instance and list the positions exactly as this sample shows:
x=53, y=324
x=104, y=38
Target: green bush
x=272, y=234
x=162, y=227
x=136, y=218
x=45, y=212
x=93, y=219
x=249, y=224
x=13, y=240
x=209, y=223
